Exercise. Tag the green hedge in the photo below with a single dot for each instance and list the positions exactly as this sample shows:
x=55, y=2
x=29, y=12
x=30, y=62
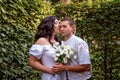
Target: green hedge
x=27, y=13
x=99, y=24
x=19, y=19
x=13, y=58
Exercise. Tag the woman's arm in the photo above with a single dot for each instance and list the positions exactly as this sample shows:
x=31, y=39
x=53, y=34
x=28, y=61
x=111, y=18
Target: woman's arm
x=34, y=63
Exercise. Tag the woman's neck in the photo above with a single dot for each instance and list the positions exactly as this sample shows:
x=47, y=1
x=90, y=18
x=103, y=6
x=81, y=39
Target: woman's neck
x=53, y=39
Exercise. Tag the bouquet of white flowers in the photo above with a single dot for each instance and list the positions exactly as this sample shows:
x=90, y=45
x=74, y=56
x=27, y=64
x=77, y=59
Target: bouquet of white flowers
x=64, y=53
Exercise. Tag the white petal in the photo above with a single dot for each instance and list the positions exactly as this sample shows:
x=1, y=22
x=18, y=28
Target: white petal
x=75, y=56
x=65, y=60
x=56, y=58
x=57, y=54
x=68, y=56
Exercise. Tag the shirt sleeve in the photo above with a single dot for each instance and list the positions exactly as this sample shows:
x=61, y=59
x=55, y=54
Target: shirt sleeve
x=37, y=51
x=83, y=53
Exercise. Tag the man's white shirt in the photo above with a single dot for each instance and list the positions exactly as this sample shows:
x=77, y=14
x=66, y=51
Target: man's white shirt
x=83, y=57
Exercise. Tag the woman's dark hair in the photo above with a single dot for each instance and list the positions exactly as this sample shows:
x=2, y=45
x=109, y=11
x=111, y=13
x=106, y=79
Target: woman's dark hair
x=46, y=28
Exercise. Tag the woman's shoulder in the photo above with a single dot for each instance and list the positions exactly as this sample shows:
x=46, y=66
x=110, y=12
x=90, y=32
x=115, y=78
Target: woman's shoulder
x=42, y=41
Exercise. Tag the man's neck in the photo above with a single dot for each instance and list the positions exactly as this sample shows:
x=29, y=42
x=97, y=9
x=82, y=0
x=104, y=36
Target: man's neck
x=67, y=37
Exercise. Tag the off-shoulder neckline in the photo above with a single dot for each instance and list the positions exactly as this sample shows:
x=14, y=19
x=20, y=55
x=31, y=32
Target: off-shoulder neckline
x=42, y=45
x=45, y=44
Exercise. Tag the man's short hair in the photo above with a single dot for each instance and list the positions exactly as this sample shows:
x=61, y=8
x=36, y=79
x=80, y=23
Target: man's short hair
x=71, y=22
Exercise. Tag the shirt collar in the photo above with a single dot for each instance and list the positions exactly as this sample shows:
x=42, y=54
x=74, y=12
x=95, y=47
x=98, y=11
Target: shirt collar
x=67, y=41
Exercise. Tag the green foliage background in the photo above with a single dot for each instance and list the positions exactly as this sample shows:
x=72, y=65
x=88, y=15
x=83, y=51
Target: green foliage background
x=97, y=22
x=18, y=23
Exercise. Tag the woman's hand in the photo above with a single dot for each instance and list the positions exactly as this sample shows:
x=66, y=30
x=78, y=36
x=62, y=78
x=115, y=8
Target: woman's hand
x=50, y=70
x=58, y=67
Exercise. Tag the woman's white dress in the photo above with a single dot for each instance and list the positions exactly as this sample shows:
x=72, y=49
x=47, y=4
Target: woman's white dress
x=46, y=53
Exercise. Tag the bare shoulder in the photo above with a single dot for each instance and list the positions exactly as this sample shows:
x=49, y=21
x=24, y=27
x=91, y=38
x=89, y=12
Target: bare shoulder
x=42, y=41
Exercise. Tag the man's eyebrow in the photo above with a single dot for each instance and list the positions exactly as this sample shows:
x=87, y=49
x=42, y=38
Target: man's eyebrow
x=63, y=25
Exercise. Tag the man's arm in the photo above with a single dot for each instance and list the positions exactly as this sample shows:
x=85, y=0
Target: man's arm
x=76, y=68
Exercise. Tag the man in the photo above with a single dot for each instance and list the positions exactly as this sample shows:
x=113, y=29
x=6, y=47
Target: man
x=80, y=68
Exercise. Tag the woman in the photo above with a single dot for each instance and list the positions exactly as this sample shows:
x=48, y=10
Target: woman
x=44, y=50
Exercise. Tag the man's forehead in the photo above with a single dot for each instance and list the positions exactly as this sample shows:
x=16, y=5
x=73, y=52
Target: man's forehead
x=64, y=23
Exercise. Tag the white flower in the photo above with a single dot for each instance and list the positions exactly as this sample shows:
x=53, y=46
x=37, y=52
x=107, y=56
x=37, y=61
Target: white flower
x=64, y=53
x=75, y=56
x=68, y=56
x=56, y=58
x=65, y=60
x=61, y=53
x=71, y=52
x=57, y=54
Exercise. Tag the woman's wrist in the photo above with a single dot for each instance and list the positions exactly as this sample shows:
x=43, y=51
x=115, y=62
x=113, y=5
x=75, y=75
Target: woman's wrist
x=50, y=71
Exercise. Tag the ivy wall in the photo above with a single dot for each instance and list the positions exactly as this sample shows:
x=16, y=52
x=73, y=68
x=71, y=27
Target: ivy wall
x=18, y=22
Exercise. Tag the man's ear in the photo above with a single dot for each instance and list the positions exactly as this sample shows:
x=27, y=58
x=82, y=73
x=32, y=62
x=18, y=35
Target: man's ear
x=74, y=29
